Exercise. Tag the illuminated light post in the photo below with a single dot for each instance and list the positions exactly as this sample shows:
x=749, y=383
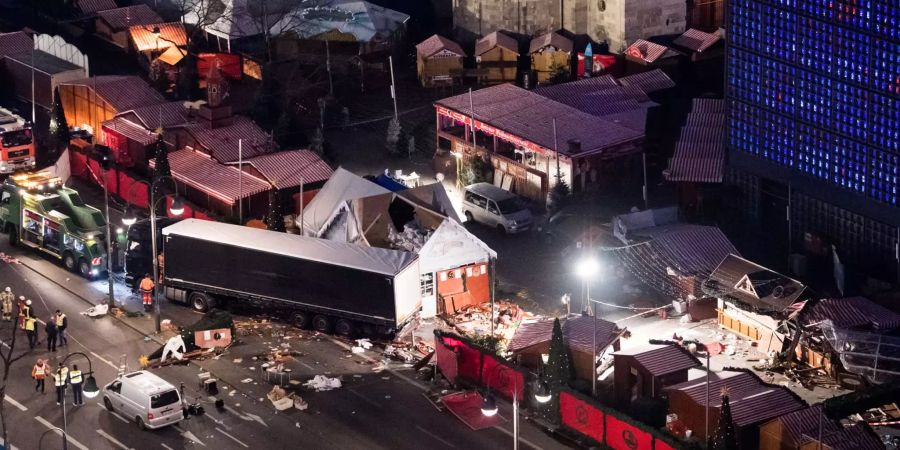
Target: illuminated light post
x=586, y=269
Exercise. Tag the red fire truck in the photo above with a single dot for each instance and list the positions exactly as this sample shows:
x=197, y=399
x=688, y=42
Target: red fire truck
x=16, y=143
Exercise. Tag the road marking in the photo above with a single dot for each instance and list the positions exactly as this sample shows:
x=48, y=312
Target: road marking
x=366, y=399
x=188, y=435
x=11, y=447
x=60, y=433
x=307, y=366
x=232, y=437
x=435, y=436
x=166, y=446
x=13, y=402
x=521, y=439
x=246, y=416
x=113, y=440
x=113, y=412
x=105, y=360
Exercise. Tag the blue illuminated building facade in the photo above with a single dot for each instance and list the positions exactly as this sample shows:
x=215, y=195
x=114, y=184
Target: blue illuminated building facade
x=813, y=89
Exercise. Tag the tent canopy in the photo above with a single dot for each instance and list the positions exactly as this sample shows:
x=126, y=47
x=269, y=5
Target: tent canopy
x=452, y=246
x=342, y=186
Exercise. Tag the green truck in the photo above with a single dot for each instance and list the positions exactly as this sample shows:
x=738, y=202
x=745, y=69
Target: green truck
x=37, y=211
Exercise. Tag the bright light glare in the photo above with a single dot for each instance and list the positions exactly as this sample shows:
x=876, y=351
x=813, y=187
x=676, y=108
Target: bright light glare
x=587, y=267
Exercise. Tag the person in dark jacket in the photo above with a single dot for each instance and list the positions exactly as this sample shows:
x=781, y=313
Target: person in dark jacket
x=52, y=331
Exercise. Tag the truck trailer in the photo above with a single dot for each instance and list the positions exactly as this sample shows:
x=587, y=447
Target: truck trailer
x=329, y=285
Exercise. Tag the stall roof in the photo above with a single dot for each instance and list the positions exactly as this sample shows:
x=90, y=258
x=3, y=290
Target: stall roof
x=222, y=142
x=163, y=115
x=804, y=422
x=437, y=43
x=45, y=62
x=130, y=130
x=661, y=359
x=696, y=40
x=378, y=260
x=752, y=400
x=496, y=39
x=92, y=6
x=170, y=34
x=127, y=16
x=852, y=312
x=550, y=39
x=578, y=332
x=200, y=171
x=857, y=437
x=291, y=168
x=649, y=82
x=15, y=43
x=342, y=186
x=747, y=282
x=434, y=197
x=451, y=246
x=122, y=92
x=647, y=51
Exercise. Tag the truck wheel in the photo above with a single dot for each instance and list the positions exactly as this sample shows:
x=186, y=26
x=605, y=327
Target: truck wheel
x=344, y=327
x=469, y=217
x=69, y=262
x=84, y=269
x=201, y=302
x=322, y=324
x=300, y=319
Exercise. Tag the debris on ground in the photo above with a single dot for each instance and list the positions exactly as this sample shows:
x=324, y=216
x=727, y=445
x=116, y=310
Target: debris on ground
x=475, y=320
x=322, y=383
x=364, y=343
x=300, y=404
x=395, y=352
x=96, y=311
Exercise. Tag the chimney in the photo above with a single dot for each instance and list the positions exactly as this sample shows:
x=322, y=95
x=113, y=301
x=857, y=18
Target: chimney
x=574, y=146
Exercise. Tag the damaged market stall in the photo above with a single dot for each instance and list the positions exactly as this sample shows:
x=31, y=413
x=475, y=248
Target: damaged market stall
x=214, y=330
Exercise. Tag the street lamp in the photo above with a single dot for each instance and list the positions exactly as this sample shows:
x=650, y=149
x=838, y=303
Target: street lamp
x=543, y=394
x=90, y=390
x=703, y=348
x=489, y=404
x=586, y=268
x=129, y=219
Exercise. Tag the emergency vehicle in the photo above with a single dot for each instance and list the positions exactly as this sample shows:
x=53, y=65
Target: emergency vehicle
x=17, y=150
x=37, y=211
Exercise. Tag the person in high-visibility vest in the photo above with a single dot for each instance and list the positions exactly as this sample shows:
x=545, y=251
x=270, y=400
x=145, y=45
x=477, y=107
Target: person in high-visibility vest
x=39, y=372
x=75, y=378
x=147, y=291
x=60, y=378
x=62, y=322
x=7, y=298
x=24, y=311
x=31, y=331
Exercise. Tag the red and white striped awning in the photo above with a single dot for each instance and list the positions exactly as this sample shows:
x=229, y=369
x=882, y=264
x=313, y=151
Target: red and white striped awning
x=291, y=168
x=200, y=171
x=130, y=130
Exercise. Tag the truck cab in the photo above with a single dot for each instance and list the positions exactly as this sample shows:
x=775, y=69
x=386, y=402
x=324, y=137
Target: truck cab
x=17, y=149
x=37, y=211
x=138, y=248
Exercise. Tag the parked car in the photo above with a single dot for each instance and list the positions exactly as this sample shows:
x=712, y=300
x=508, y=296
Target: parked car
x=144, y=397
x=489, y=205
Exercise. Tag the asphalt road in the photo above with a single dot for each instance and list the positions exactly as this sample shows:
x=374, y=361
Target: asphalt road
x=372, y=410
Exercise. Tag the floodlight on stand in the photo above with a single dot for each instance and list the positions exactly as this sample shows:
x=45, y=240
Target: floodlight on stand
x=129, y=218
x=177, y=207
x=543, y=393
x=489, y=406
x=90, y=389
x=587, y=267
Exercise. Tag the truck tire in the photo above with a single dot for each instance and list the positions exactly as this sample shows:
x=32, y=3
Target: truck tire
x=301, y=319
x=322, y=324
x=201, y=302
x=69, y=262
x=344, y=327
x=84, y=268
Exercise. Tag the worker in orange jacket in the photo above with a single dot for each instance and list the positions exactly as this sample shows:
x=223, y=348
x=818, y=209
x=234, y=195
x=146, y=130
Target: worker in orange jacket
x=39, y=372
x=147, y=286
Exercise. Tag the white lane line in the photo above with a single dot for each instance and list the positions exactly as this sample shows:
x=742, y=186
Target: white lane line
x=113, y=412
x=232, y=437
x=11, y=447
x=438, y=438
x=13, y=402
x=188, y=435
x=105, y=360
x=58, y=432
x=166, y=446
x=113, y=440
x=307, y=366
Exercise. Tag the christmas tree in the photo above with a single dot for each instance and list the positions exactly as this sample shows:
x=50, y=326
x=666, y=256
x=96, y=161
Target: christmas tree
x=725, y=437
x=161, y=169
x=58, y=138
x=559, y=366
x=275, y=218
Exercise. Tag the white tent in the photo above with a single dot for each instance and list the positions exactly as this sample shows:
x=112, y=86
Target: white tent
x=451, y=246
x=341, y=187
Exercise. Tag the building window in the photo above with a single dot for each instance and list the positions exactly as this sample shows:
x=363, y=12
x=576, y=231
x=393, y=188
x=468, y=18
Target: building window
x=601, y=5
x=426, y=284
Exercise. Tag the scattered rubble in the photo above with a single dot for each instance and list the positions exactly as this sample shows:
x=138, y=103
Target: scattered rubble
x=322, y=383
x=96, y=311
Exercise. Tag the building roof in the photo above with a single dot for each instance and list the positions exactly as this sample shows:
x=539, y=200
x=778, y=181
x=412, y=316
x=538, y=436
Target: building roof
x=529, y=115
x=130, y=130
x=168, y=114
x=747, y=282
x=92, y=6
x=437, y=43
x=45, y=62
x=342, y=186
x=857, y=437
x=172, y=55
x=752, y=401
x=451, y=246
x=554, y=39
x=223, y=142
x=661, y=359
x=125, y=17
x=802, y=422
x=363, y=20
x=700, y=152
x=15, y=43
x=170, y=34
x=852, y=312
x=370, y=259
x=434, y=197
x=496, y=39
x=649, y=82
x=287, y=169
x=696, y=40
x=121, y=92
x=202, y=172
x=648, y=52
x=578, y=332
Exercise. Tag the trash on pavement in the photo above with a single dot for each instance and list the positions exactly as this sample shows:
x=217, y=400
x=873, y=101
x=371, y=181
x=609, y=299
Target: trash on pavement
x=300, y=404
x=357, y=350
x=364, y=343
x=97, y=311
x=322, y=383
x=277, y=393
x=247, y=380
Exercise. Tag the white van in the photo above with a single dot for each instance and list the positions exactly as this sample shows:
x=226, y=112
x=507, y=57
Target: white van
x=145, y=398
x=496, y=208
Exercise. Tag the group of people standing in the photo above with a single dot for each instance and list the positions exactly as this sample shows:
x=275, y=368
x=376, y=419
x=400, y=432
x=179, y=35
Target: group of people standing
x=55, y=327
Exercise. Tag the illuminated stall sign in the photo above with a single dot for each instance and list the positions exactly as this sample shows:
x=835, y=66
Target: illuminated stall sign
x=492, y=131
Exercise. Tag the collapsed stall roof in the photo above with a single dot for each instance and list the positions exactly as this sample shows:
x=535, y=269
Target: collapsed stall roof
x=369, y=259
x=746, y=282
x=342, y=186
x=851, y=312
